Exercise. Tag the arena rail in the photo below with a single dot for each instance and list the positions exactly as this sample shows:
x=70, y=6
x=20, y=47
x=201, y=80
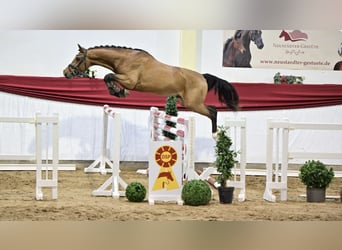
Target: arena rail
x=41, y=164
x=278, y=154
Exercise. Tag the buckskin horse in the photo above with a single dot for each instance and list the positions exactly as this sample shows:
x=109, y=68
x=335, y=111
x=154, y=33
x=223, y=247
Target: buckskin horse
x=239, y=55
x=137, y=70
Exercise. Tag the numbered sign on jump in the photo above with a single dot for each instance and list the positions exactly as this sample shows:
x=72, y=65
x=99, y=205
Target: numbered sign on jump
x=165, y=171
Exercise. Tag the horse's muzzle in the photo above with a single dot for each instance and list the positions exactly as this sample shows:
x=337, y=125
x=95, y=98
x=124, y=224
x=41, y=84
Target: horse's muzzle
x=67, y=74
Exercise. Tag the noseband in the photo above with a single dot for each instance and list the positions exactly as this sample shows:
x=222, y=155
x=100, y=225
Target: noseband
x=75, y=71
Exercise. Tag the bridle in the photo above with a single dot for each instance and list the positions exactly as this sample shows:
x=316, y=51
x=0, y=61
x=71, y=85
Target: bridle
x=75, y=71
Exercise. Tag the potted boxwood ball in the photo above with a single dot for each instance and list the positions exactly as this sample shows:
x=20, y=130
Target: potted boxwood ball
x=196, y=193
x=316, y=177
x=135, y=192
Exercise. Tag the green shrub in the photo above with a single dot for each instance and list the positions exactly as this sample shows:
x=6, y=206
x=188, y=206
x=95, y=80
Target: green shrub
x=171, y=109
x=135, y=192
x=196, y=192
x=225, y=156
x=315, y=174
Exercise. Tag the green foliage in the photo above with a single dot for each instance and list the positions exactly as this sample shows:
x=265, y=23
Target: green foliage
x=196, y=193
x=171, y=109
x=290, y=79
x=315, y=174
x=135, y=192
x=225, y=156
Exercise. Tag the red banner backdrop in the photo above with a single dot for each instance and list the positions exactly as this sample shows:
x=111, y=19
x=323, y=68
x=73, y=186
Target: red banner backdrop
x=253, y=96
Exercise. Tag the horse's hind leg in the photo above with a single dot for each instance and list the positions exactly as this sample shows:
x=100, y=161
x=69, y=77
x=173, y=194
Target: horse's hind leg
x=194, y=100
x=213, y=118
x=211, y=113
x=113, y=88
x=180, y=98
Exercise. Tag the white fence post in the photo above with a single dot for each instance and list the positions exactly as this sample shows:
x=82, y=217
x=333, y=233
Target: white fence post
x=46, y=181
x=277, y=138
x=237, y=128
x=190, y=142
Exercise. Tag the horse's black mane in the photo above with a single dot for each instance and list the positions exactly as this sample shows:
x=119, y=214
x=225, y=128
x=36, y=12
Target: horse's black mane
x=225, y=47
x=116, y=47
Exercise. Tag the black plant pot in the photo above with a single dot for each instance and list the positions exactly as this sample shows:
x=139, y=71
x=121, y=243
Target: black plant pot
x=226, y=194
x=315, y=194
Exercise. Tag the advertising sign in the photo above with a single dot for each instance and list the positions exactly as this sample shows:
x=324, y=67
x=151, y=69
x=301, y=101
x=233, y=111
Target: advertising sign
x=288, y=49
x=165, y=171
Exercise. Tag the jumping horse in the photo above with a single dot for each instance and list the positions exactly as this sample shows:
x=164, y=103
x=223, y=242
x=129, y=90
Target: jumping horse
x=236, y=50
x=137, y=70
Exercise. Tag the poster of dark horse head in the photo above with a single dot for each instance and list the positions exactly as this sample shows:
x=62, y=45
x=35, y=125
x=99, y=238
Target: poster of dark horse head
x=236, y=49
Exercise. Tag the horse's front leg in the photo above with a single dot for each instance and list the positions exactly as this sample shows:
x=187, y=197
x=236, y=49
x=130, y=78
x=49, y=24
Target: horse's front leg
x=113, y=88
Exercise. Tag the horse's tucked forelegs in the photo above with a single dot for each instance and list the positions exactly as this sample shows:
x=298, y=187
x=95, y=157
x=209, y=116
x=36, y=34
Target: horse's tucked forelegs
x=113, y=88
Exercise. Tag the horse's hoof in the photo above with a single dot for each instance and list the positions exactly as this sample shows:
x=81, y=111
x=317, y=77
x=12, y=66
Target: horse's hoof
x=126, y=92
x=215, y=136
x=123, y=93
x=109, y=77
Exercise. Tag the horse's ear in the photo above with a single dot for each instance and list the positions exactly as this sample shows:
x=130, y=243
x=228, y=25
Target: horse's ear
x=237, y=34
x=80, y=48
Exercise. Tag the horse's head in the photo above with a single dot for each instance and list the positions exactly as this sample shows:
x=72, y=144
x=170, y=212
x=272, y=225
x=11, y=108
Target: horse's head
x=78, y=64
x=256, y=38
x=238, y=45
x=234, y=43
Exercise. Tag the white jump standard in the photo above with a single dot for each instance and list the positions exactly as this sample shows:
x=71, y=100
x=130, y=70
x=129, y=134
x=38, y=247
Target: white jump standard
x=185, y=133
x=41, y=168
x=170, y=161
x=111, y=186
x=237, y=131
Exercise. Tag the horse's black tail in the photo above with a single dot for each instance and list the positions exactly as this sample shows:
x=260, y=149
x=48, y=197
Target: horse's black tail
x=226, y=92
